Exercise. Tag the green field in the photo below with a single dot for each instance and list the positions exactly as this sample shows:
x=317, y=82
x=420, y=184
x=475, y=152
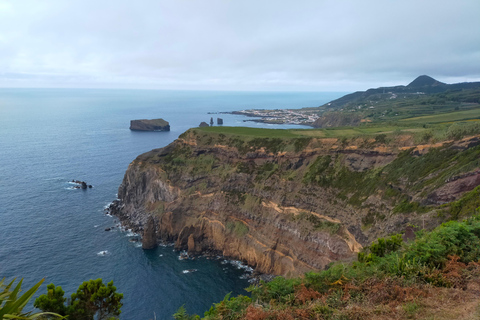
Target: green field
x=254, y=132
x=311, y=133
x=473, y=114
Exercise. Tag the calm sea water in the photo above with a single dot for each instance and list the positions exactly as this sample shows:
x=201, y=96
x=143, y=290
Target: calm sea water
x=49, y=230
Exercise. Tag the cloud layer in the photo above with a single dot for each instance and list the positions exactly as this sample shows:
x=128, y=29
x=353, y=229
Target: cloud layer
x=237, y=45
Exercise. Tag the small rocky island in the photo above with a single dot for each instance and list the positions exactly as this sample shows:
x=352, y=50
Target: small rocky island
x=149, y=125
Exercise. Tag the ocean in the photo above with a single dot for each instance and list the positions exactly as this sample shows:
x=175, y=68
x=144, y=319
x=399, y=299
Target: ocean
x=48, y=229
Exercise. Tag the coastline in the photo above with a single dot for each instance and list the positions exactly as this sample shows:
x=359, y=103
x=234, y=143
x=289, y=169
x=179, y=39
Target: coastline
x=250, y=273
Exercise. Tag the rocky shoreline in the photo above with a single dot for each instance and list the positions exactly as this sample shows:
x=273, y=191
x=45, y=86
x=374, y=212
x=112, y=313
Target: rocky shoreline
x=253, y=276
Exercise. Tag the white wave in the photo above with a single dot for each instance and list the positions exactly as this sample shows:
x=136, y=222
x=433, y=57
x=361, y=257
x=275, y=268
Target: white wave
x=189, y=271
x=103, y=253
x=183, y=255
x=130, y=233
x=54, y=179
x=239, y=265
x=160, y=255
x=95, y=226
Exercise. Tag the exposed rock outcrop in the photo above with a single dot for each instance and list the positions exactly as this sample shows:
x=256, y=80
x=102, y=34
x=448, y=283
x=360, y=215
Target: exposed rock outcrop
x=149, y=125
x=81, y=185
x=149, y=240
x=282, y=211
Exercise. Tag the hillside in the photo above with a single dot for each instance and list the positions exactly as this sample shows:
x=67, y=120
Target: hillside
x=423, y=96
x=421, y=86
x=435, y=276
x=286, y=202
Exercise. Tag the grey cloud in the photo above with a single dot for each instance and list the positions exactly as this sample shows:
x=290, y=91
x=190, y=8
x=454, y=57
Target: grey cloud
x=239, y=45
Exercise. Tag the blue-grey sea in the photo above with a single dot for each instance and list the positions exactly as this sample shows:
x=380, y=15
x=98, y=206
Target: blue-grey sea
x=50, y=230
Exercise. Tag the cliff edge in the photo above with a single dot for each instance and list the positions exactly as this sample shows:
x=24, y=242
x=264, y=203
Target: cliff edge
x=292, y=204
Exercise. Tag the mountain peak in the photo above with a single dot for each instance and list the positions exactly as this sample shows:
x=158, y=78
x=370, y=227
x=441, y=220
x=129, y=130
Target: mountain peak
x=424, y=81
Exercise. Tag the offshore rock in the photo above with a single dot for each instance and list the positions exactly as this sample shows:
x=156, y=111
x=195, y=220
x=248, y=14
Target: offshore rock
x=149, y=125
x=149, y=240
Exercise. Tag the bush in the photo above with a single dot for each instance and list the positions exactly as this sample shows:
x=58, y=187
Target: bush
x=93, y=300
x=230, y=308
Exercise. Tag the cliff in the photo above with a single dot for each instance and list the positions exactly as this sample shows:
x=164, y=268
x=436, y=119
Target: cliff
x=289, y=205
x=149, y=125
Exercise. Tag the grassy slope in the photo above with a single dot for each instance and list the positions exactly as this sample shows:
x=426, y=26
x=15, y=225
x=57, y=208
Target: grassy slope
x=434, y=277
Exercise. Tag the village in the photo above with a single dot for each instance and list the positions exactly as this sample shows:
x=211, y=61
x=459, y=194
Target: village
x=281, y=116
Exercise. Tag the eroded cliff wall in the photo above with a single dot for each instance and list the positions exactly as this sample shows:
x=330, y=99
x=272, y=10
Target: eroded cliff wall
x=287, y=206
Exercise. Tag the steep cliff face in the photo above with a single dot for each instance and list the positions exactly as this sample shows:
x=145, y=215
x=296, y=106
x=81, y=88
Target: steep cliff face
x=287, y=206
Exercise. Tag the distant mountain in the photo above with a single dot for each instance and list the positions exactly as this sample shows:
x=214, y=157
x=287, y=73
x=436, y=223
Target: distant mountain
x=424, y=85
x=425, y=81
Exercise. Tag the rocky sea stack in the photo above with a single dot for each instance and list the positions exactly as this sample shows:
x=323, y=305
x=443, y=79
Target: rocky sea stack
x=149, y=125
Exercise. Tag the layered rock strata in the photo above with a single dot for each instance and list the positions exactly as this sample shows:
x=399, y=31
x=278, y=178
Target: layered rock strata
x=284, y=207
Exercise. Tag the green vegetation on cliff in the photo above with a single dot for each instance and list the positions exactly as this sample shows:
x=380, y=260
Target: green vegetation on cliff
x=379, y=175
x=391, y=280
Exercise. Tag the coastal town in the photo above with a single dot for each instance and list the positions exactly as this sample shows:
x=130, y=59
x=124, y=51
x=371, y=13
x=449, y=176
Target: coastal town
x=281, y=116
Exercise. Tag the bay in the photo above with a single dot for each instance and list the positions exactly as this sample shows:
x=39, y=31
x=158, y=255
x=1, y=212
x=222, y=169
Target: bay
x=50, y=230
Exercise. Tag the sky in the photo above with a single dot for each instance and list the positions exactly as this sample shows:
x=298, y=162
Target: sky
x=241, y=45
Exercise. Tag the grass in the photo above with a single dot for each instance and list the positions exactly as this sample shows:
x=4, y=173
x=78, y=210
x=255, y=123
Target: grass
x=251, y=132
x=339, y=132
x=473, y=114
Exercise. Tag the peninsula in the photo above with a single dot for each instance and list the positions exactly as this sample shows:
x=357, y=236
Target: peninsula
x=149, y=125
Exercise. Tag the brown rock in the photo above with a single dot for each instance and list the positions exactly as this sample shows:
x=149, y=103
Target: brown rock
x=149, y=240
x=409, y=234
x=191, y=244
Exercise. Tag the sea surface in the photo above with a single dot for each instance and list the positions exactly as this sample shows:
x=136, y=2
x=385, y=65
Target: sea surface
x=48, y=229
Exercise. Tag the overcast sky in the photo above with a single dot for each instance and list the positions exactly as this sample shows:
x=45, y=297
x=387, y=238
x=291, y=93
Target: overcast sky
x=237, y=45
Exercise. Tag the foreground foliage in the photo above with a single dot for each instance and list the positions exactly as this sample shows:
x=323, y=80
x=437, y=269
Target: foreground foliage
x=391, y=279
x=93, y=300
x=11, y=304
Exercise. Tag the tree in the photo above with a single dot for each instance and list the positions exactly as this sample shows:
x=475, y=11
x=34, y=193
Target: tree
x=93, y=299
x=53, y=301
x=11, y=305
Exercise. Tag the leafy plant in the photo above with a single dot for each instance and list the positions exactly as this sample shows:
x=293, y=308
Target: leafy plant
x=11, y=304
